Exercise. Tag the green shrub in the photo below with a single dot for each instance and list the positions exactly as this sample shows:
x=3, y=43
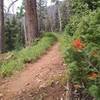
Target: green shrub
x=82, y=52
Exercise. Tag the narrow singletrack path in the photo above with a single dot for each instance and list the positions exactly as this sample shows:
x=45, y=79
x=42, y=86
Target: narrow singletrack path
x=34, y=75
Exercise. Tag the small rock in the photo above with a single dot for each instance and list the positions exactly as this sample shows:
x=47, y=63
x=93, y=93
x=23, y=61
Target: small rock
x=19, y=92
x=65, y=65
x=42, y=85
x=1, y=95
x=66, y=88
x=23, y=90
x=27, y=84
x=61, y=98
x=57, y=82
x=8, y=90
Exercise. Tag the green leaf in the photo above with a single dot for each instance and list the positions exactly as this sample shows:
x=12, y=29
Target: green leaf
x=93, y=90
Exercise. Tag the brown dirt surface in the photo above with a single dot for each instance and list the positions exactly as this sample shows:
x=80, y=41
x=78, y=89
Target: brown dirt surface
x=55, y=91
x=35, y=75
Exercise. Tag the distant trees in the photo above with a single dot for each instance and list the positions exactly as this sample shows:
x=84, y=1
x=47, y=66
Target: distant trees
x=1, y=25
x=12, y=37
x=42, y=14
x=32, y=18
x=62, y=14
x=65, y=12
x=58, y=22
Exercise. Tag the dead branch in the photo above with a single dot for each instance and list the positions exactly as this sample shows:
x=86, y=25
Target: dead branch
x=11, y=5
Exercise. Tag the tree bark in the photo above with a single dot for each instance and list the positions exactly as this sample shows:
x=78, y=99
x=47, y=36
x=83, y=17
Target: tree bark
x=31, y=21
x=59, y=15
x=60, y=20
x=1, y=25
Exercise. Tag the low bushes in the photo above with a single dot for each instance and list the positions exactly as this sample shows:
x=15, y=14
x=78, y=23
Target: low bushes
x=19, y=58
x=82, y=54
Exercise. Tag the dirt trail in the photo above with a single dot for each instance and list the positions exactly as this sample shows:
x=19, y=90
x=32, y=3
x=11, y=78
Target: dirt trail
x=34, y=75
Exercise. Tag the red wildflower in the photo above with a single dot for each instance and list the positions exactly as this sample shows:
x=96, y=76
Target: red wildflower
x=78, y=44
x=92, y=75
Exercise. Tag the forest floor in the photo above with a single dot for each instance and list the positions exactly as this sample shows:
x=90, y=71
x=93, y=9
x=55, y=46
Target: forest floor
x=32, y=82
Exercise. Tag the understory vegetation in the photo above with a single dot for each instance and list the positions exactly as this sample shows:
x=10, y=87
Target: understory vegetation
x=81, y=51
x=15, y=60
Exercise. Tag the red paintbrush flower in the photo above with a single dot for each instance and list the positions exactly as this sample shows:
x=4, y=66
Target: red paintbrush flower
x=78, y=44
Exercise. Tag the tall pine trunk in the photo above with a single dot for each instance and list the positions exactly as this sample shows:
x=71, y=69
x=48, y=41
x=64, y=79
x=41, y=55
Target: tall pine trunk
x=31, y=21
x=1, y=25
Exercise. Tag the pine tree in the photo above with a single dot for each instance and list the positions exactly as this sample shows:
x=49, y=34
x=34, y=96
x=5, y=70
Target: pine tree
x=31, y=21
x=13, y=34
x=1, y=25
